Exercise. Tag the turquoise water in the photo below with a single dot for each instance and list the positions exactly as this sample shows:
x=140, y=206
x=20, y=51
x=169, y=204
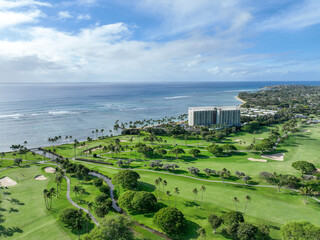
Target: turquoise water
x=35, y=112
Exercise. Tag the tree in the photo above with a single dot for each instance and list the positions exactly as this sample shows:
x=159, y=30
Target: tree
x=300, y=231
x=248, y=199
x=194, y=152
x=128, y=179
x=236, y=200
x=100, y=199
x=214, y=221
x=195, y=192
x=176, y=192
x=18, y=161
x=170, y=220
x=69, y=217
x=306, y=192
x=202, y=189
x=215, y=150
x=76, y=191
x=177, y=151
x=141, y=202
x=201, y=232
x=304, y=166
x=112, y=228
x=246, y=231
x=98, y=182
x=231, y=221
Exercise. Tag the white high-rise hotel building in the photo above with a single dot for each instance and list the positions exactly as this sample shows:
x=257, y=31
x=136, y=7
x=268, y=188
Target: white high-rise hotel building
x=207, y=116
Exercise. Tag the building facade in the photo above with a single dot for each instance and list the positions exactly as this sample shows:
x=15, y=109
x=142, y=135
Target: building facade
x=207, y=116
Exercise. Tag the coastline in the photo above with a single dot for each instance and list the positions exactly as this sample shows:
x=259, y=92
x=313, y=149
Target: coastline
x=239, y=99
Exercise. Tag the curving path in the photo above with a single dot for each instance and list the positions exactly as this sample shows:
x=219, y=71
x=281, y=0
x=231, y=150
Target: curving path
x=111, y=186
x=53, y=157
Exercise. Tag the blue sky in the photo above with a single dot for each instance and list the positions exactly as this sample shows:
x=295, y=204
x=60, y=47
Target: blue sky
x=159, y=40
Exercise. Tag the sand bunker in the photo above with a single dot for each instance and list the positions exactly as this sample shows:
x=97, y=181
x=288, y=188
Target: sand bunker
x=82, y=146
x=306, y=130
x=276, y=156
x=40, y=178
x=6, y=182
x=257, y=160
x=237, y=140
x=123, y=140
x=50, y=170
x=318, y=169
x=260, y=138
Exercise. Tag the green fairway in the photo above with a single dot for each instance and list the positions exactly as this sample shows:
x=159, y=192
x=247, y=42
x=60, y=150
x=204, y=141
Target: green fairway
x=29, y=219
x=267, y=206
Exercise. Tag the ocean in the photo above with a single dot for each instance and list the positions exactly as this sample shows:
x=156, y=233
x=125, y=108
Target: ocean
x=35, y=112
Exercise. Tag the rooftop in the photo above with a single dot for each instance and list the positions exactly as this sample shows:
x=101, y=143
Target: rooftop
x=214, y=108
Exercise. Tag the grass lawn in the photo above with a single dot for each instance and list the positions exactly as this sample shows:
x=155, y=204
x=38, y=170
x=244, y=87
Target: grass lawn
x=267, y=206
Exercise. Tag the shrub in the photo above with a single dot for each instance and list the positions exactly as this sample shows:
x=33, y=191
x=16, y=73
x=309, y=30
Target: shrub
x=300, y=230
x=105, y=189
x=97, y=182
x=141, y=202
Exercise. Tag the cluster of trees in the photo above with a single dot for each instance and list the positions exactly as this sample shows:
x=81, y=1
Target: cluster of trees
x=168, y=166
x=138, y=201
x=74, y=219
x=112, y=228
x=300, y=230
x=171, y=221
x=127, y=179
x=237, y=228
x=220, y=151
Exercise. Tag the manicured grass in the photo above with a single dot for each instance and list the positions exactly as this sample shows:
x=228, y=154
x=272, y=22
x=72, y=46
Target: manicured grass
x=267, y=206
x=30, y=218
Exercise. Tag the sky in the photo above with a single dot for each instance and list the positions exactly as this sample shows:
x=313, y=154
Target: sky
x=159, y=40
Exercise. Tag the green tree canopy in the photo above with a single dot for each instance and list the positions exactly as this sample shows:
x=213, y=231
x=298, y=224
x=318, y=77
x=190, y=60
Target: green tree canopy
x=304, y=166
x=128, y=179
x=300, y=231
x=112, y=228
x=170, y=220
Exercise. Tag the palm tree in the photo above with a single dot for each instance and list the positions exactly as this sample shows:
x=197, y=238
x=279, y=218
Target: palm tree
x=176, y=192
x=168, y=195
x=164, y=183
x=52, y=192
x=45, y=196
x=202, y=189
x=58, y=180
x=195, y=192
x=236, y=200
x=160, y=182
x=248, y=199
x=305, y=192
x=157, y=183
x=201, y=232
x=75, y=147
x=76, y=191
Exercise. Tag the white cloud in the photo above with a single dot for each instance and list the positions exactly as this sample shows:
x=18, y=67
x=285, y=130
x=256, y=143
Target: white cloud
x=84, y=17
x=8, y=19
x=180, y=16
x=64, y=15
x=305, y=13
x=5, y=4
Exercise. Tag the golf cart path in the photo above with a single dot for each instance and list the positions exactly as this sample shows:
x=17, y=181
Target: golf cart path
x=53, y=157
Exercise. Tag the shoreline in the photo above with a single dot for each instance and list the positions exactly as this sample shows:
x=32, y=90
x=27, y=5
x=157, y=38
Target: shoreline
x=239, y=99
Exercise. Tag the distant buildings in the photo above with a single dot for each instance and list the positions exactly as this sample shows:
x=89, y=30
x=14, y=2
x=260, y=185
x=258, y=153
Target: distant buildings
x=207, y=116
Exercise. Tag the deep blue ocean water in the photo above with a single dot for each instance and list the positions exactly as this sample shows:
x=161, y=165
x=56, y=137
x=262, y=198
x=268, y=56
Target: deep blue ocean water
x=34, y=112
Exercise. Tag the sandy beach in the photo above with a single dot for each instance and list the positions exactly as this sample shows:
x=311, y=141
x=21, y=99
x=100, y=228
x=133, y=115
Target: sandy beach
x=239, y=99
